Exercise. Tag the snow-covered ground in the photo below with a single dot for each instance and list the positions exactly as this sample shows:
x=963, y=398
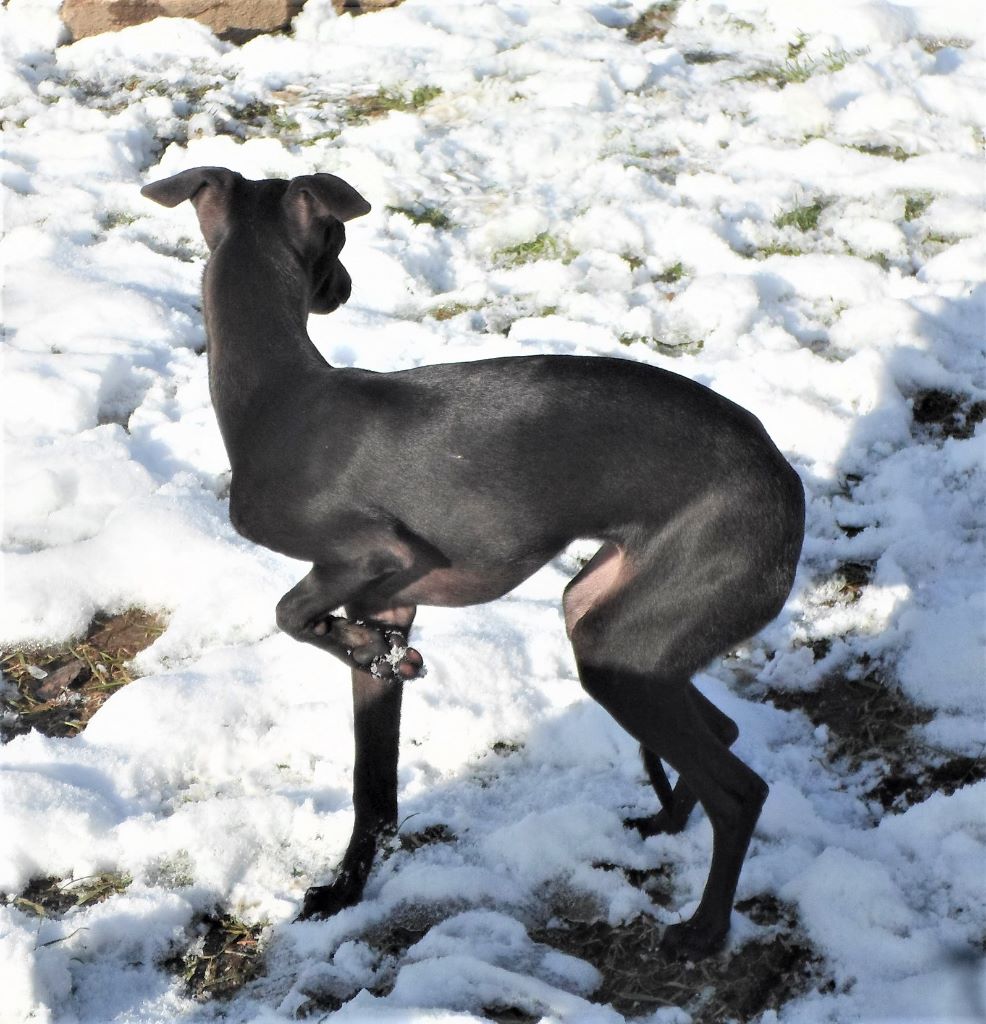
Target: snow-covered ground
x=782, y=200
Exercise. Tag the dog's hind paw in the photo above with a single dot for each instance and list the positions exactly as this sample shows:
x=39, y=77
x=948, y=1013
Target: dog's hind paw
x=322, y=901
x=658, y=824
x=689, y=940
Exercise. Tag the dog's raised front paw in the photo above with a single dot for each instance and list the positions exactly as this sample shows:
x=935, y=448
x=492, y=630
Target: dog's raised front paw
x=400, y=662
x=368, y=645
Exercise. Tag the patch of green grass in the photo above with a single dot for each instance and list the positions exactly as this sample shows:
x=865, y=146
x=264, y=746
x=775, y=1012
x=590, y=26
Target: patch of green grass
x=450, y=310
x=775, y=249
x=740, y=24
x=833, y=61
x=796, y=70
x=940, y=238
x=329, y=135
x=383, y=101
x=780, y=74
x=654, y=23
x=875, y=149
x=704, y=57
x=284, y=123
x=804, y=218
x=932, y=44
x=671, y=274
x=256, y=110
x=881, y=259
x=632, y=261
x=116, y=219
x=795, y=47
x=423, y=95
x=261, y=114
x=663, y=153
x=916, y=204
x=423, y=215
x=502, y=321
x=542, y=247
x=662, y=347
x=156, y=87
x=197, y=93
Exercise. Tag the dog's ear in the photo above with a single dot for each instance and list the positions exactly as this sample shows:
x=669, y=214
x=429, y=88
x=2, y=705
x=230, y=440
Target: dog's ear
x=315, y=203
x=321, y=195
x=209, y=189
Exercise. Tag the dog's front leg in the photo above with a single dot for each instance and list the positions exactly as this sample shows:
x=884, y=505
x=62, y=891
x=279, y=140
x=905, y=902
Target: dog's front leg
x=305, y=613
x=376, y=730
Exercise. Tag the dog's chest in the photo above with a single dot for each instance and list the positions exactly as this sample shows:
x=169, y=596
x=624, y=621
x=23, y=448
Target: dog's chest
x=271, y=520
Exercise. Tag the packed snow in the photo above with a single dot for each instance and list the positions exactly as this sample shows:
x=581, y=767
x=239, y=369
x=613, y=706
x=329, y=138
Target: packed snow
x=782, y=201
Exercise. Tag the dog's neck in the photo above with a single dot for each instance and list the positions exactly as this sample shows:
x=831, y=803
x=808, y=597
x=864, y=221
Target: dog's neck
x=258, y=346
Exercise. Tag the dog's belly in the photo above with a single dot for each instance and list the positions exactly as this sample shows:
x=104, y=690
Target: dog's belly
x=455, y=586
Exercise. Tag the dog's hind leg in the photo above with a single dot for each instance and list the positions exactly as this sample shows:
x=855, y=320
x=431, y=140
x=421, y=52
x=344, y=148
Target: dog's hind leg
x=678, y=804
x=660, y=713
x=642, y=621
x=376, y=732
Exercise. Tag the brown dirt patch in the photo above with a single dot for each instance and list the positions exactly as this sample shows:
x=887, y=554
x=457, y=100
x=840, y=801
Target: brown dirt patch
x=637, y=979
x=53, y=897
x=657, y=882
x=222, y=958
x=429, y=836
x=908, y=785
x=866, y=718
x=760, y=975
x=871, y=722
x=356, y=7
x=945, y=414
x=654, y=23
x=57, y=689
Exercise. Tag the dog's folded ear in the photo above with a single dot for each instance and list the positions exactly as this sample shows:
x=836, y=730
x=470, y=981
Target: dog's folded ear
x=328, y=195
x=209, y=189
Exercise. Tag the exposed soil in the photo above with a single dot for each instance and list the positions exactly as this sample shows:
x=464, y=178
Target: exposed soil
x=741, y=984
x=853, y=577
x=224, y=955
x=657, y=882
x=870, y=721
x=654, y=23
x=411, y=841
x=56, y=690
x=945, y=414
x=637, y=979
x=909, y=784
x=53, y=897
x=866, y=718
x=356, y=7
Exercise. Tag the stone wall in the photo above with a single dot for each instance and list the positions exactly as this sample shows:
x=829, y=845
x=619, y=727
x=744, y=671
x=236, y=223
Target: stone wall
x=234, y=20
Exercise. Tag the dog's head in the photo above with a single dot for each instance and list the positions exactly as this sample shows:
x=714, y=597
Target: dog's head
x=306, y=213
